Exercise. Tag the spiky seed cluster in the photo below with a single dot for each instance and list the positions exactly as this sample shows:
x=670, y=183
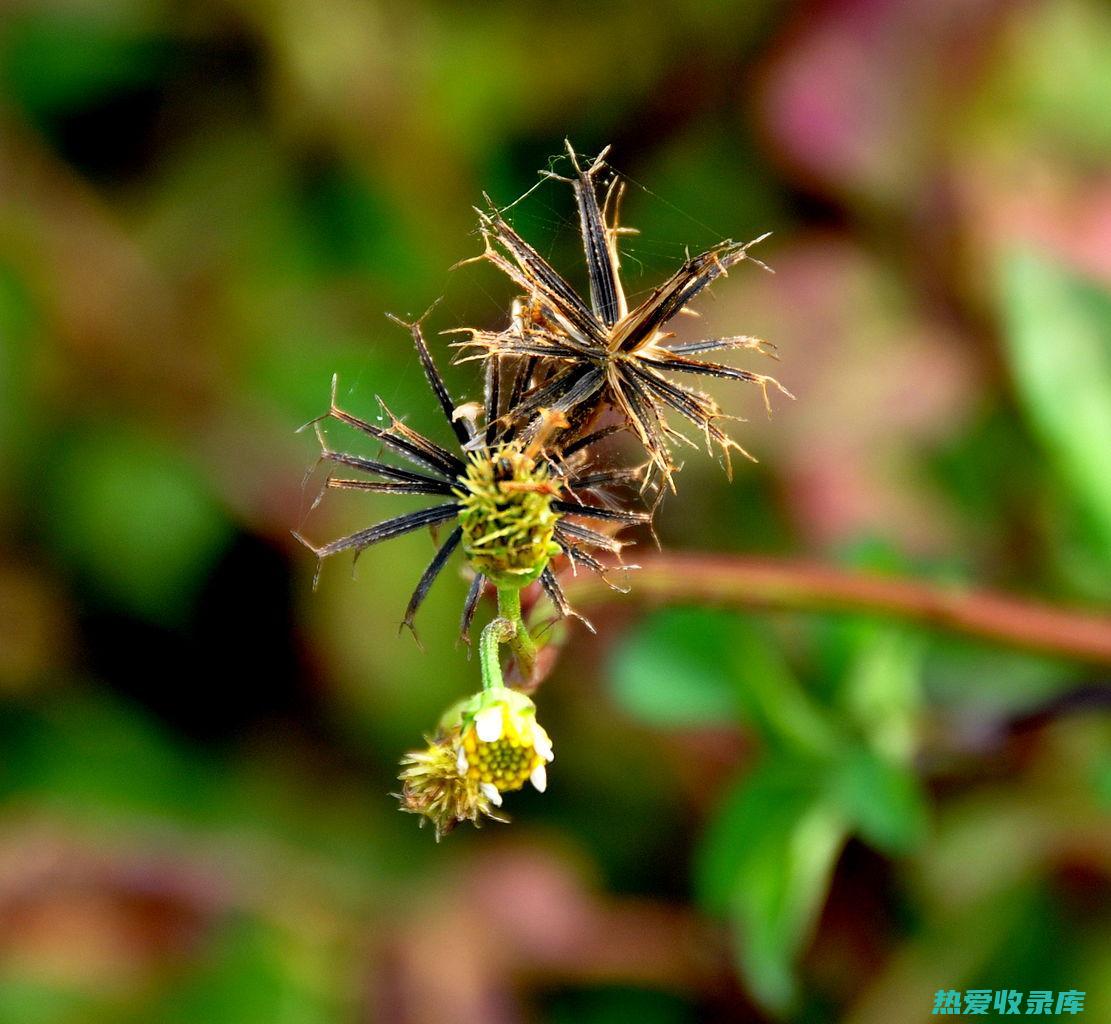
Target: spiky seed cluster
x=505, y=510
x=604, y=353
x=527, y=473
x=524, y=479
x=433, y=787
x=545, y=488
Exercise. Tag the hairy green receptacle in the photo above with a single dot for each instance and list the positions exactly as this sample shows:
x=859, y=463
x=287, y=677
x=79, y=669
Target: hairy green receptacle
x=507, y=516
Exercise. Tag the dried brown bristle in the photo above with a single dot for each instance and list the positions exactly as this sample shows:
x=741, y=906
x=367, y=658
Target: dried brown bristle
x=589, y=356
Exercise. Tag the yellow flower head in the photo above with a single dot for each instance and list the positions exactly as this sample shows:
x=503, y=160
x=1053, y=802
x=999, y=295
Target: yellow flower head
x=487, y=745
x=501, y=746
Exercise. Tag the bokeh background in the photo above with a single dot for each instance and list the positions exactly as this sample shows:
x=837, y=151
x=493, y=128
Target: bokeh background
x=205, y=210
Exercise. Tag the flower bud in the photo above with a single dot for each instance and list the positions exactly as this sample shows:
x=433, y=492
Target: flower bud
x=501, y=745
x=488, y=744
x=507, y=516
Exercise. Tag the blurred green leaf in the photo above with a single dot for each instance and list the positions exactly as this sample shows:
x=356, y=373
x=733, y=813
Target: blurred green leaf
x=52, y=62
x=1076, y=539
x=1101, y=781
x=17, y=336
x=1007, y=682
x=1058, y=335
x=766, y=860
x=771, y=795
x=135, y=519
x=695, y=667
x=773, y=698
x=23, y=1001
x=881, y=690
x=255, y=972
x=1051, y=85
x=614, y=1005
x=673, y=670
x=985, y=470
x=883, y=800
x=102, y=757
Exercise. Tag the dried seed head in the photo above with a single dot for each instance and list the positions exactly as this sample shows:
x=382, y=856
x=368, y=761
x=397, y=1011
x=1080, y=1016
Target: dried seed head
x=505, y=510
x=586, y=355
x=432, y=786
x=487, y=745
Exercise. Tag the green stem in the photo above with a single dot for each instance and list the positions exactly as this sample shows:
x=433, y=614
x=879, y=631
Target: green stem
x=497, y=632
x=520, y=641
x=507, y=628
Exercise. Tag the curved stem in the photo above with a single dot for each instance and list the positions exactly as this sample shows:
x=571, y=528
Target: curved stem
x=496, y=632
x=520, y=641
x=508, y=628
x=739, y=582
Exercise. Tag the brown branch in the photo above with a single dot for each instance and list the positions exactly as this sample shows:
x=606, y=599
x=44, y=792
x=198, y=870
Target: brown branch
x=738, y=582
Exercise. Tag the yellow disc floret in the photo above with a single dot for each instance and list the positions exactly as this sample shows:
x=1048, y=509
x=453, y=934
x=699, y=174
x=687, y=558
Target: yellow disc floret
x=501, y=745
x=486, y=745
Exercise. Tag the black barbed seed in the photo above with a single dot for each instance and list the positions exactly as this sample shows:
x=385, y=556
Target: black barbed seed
x=532, y=473
x=604, y=354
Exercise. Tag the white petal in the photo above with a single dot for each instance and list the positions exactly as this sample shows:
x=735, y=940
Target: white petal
x=461, y=763
x=490, y=791
x=542, y=743
x=539, y=777
x=488, y=723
